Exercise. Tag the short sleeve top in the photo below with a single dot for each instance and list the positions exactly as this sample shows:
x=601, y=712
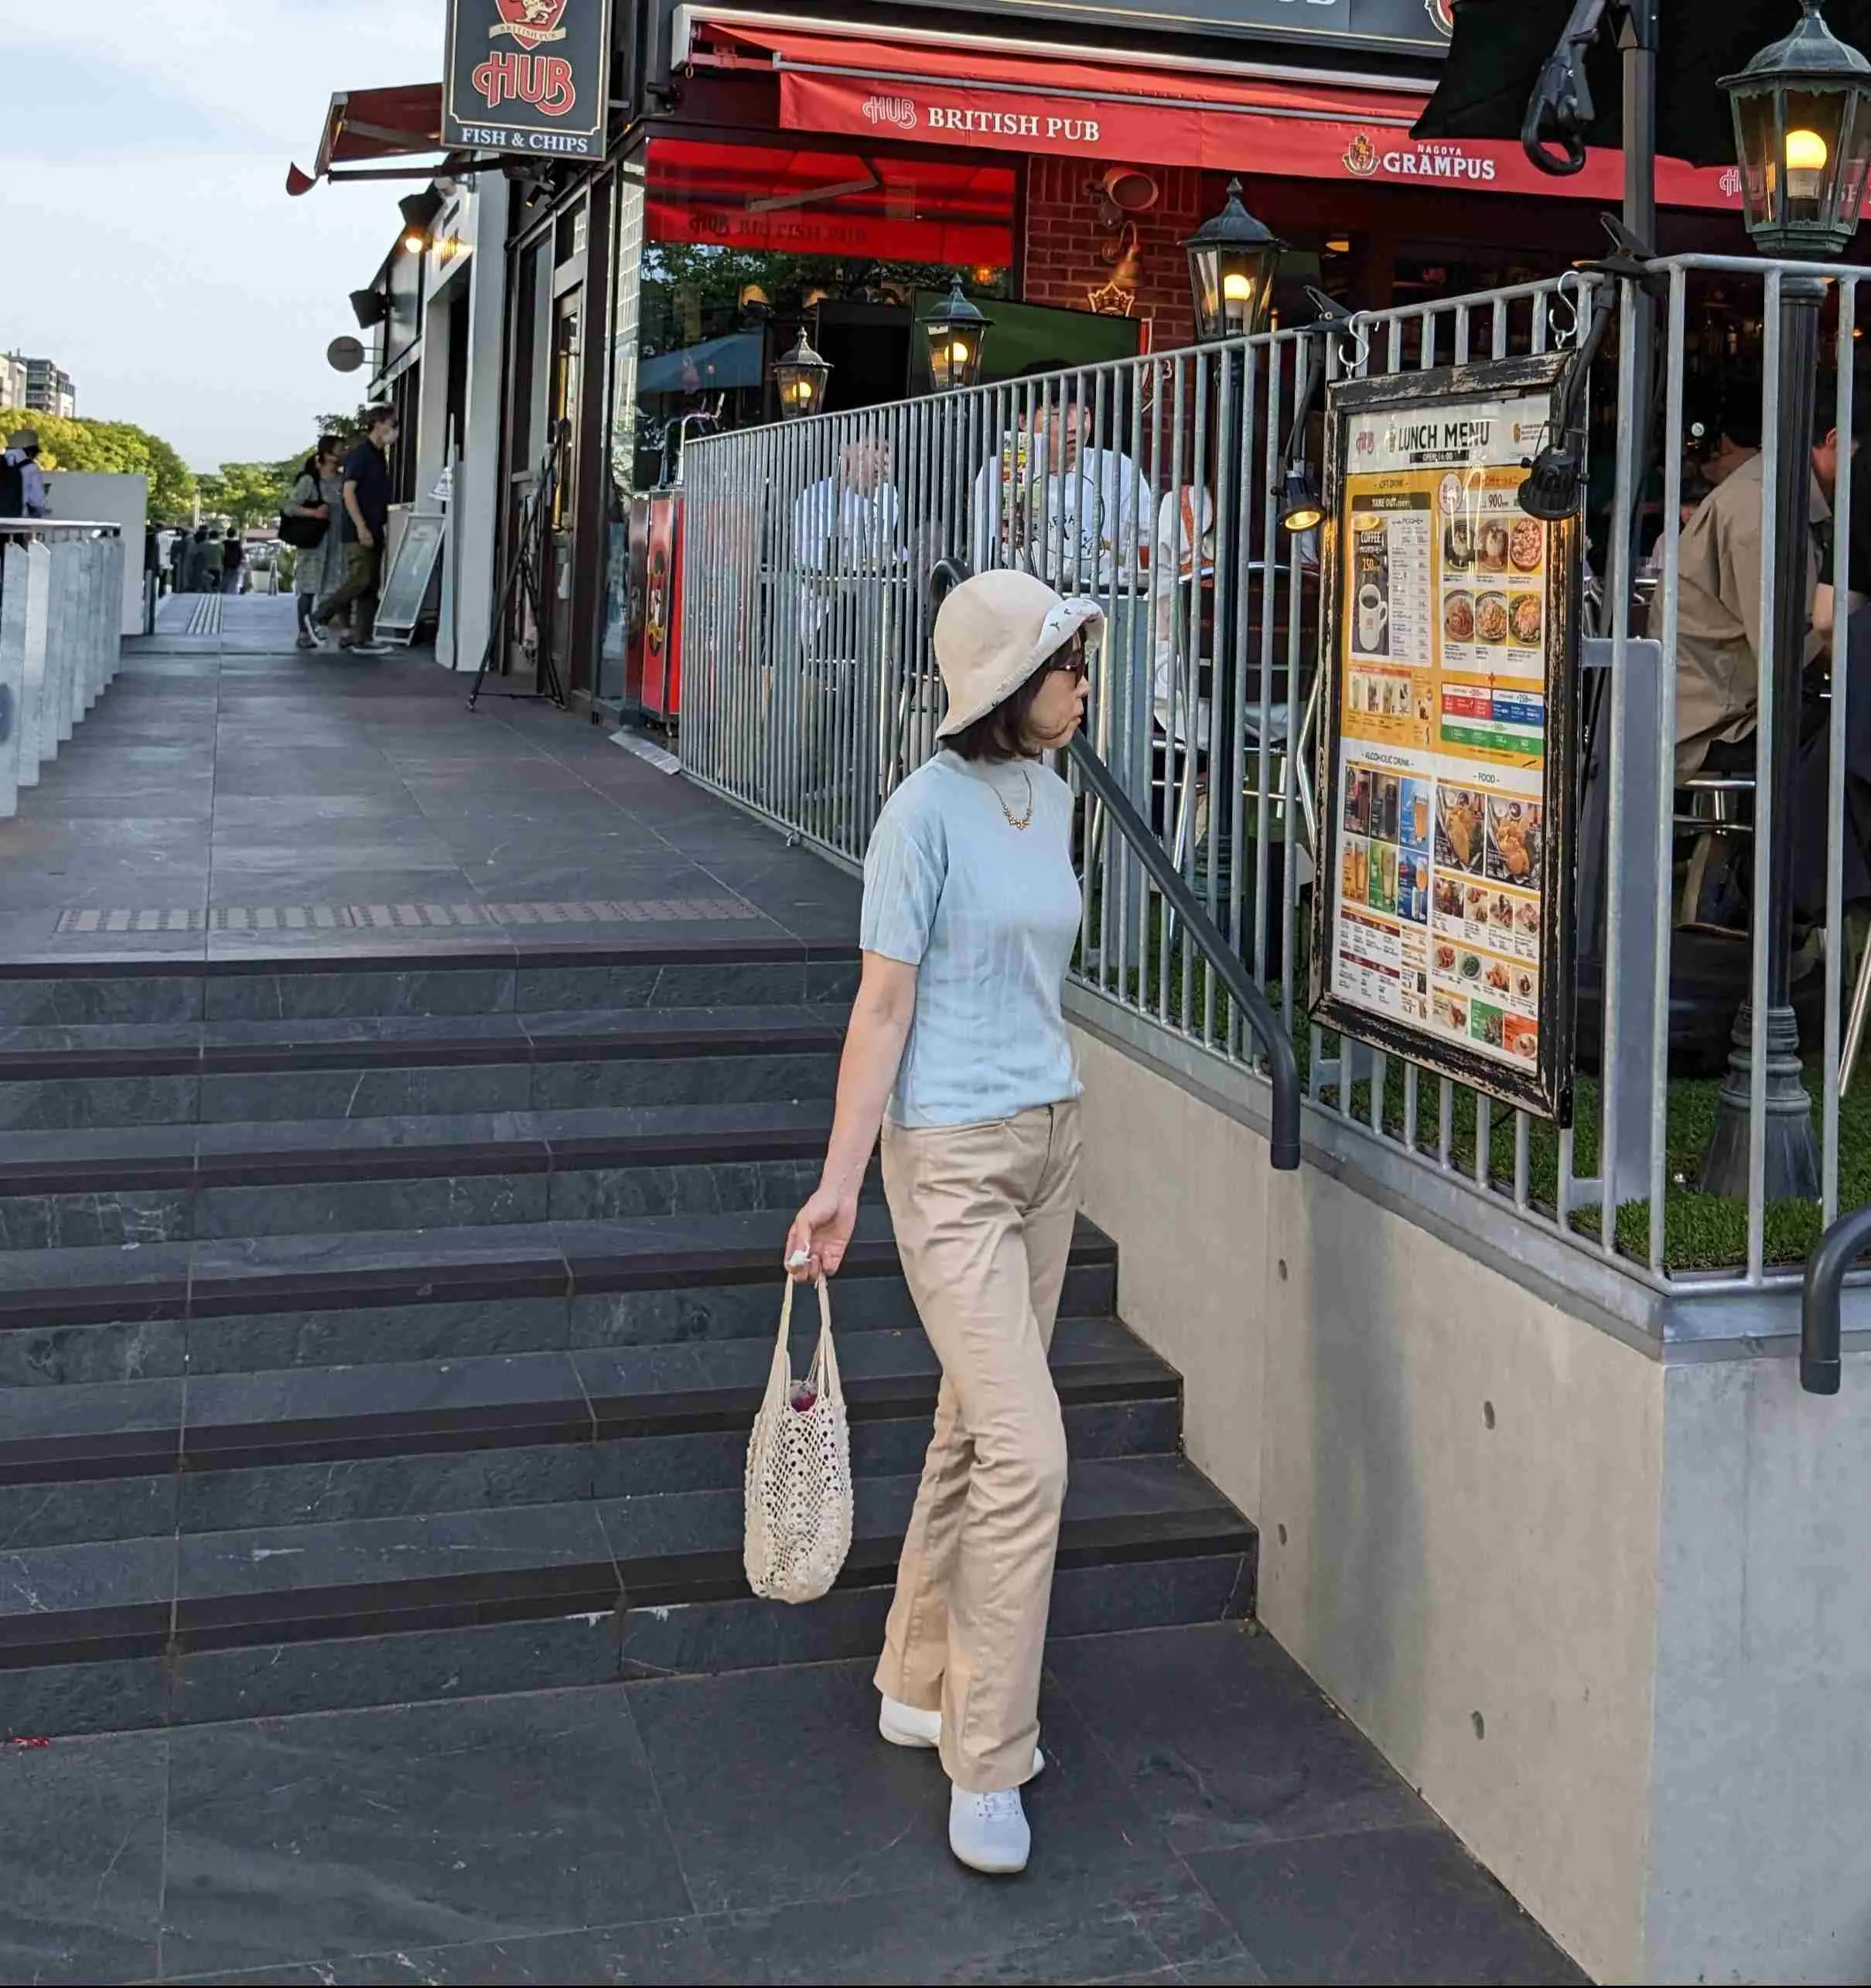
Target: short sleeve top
x=987, y=912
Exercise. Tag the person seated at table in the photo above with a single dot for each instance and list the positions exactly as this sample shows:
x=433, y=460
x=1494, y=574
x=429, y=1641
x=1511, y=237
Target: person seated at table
x=1047, y=502
x=848, y=521
x=1812, y=780
x=1718, y=619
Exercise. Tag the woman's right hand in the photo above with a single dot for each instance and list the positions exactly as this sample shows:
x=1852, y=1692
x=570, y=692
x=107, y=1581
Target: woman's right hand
x=820, y=1234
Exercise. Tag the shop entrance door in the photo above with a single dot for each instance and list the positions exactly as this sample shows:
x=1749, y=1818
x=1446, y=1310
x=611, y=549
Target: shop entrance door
x=567, y=334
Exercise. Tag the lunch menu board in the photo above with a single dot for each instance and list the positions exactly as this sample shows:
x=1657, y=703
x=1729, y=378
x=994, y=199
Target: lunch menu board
x=1443, y=916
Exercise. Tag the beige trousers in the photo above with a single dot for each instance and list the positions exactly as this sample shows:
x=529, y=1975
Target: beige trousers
x=984, y=1216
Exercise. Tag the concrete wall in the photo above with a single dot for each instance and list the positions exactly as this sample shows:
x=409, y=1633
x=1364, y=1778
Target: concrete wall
x=1761, y=1864
x=101, y=498
x=1581, y=1596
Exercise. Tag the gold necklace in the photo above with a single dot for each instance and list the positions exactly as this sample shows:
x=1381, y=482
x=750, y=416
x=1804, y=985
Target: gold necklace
x=1018, y=821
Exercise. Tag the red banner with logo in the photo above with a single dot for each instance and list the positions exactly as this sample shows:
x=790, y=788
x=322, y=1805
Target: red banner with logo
x=1218, y=137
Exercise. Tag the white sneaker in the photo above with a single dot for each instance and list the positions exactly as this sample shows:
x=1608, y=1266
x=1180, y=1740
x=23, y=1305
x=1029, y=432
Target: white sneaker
x=904, y=1725
x=988, y=1831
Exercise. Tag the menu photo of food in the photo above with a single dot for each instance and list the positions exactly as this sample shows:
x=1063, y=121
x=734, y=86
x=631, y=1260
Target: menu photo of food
x=1514, y=839
x=1526, y=621
x=1459, y=832
x=1522, y=1034
x=1493, y=541
x=1491, y=619
x=1526, y=545
x=1487, y=1025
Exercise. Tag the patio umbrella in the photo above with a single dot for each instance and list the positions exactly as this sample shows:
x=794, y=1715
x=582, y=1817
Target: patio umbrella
x=1500, y=46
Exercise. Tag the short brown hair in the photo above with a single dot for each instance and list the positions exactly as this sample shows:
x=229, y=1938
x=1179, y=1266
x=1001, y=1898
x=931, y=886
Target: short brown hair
x=1001, y=733
x=375, y=417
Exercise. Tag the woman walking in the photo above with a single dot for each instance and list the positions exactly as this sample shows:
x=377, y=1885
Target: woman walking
x=317, y=493
x=957, y=1048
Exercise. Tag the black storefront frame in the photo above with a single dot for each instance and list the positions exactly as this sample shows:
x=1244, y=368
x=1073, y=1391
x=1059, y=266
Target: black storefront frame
x=575, y=631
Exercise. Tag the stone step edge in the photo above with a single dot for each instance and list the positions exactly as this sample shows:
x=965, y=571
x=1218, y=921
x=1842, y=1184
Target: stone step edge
x=586, y=1418
x=285, y=1166
x=443, y=1282
x=296, y=965
x=603, y=1587
x=607, y=1043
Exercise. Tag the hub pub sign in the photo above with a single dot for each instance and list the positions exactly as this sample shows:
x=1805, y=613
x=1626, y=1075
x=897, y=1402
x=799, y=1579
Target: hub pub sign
x=530, y=75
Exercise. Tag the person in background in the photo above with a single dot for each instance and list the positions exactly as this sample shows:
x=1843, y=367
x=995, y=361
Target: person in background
x=22, y=483
x=204, y=561
x=1718, y=589
x=318, y=493
x=364, y=518
x=179, y=560
x=1048, y=503
x=1696, y=491
x=958, y=1050
x=233, y=560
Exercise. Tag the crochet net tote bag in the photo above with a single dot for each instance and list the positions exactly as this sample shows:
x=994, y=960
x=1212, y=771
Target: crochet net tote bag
x=799, y=1501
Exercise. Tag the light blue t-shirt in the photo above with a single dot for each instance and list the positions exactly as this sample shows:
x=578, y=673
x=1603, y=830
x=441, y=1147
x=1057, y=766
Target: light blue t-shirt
x=988, y=913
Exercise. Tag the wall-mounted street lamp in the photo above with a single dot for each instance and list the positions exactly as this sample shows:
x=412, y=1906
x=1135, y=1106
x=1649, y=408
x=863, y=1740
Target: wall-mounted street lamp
x=1802, y=113
x=418, y=211
x=956, y=330
x=1232, y=259
x=801, y=376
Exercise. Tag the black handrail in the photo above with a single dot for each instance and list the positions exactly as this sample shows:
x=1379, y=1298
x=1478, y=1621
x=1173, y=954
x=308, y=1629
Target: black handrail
x=1839, y=1248
x=1282, y=1065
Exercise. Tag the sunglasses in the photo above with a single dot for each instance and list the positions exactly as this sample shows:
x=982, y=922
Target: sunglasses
x=1071, y=664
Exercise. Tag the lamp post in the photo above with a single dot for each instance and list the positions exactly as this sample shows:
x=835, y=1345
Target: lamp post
x=1233, y=259
x=956, y=330
x=1802, y=112
x=800, y=375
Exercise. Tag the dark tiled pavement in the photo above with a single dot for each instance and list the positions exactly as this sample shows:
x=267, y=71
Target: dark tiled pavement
x=233, y=770
x=1206, y=1817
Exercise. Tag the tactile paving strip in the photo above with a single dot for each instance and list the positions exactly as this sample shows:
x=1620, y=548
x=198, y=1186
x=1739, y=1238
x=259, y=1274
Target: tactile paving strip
x=399, y=917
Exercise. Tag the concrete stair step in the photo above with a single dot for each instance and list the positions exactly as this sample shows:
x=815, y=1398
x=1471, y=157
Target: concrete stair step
x=312, y=1445
x=87, y=1077
x=454, y=980
x=169, y=1184
x=252, y=1303
x=267, y=1620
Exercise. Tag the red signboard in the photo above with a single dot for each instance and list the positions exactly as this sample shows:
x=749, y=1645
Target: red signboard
x=1219, y=137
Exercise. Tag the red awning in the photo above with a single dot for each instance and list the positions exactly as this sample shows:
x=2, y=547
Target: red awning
x=826, y=201
x=926, y=91
x=363, y=124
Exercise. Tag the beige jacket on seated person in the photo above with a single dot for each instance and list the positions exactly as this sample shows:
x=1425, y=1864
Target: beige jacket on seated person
x=1718, y=615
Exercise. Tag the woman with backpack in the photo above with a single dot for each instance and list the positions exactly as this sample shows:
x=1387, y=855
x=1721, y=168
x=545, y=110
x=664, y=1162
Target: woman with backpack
x=307, y=524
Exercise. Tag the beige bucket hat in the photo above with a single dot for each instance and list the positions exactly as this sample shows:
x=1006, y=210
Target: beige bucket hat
x=994, y=631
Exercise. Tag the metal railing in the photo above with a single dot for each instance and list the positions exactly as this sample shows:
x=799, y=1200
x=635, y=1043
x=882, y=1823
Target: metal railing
x=61, y=621
x=810, y=691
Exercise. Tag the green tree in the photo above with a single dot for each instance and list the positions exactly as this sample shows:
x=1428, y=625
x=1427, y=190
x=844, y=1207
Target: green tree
x=118, y=448
x=248, y=493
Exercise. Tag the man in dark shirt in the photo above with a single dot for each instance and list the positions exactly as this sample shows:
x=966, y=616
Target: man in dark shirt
x=362, y=521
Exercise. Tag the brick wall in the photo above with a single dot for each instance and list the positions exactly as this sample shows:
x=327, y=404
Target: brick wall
x=1065, y=242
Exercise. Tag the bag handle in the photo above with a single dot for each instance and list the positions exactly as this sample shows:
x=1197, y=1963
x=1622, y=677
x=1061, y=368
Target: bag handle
x=822, y=1376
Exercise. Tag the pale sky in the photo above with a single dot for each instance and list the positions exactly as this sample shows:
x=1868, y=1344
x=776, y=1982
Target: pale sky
x=150, y=247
